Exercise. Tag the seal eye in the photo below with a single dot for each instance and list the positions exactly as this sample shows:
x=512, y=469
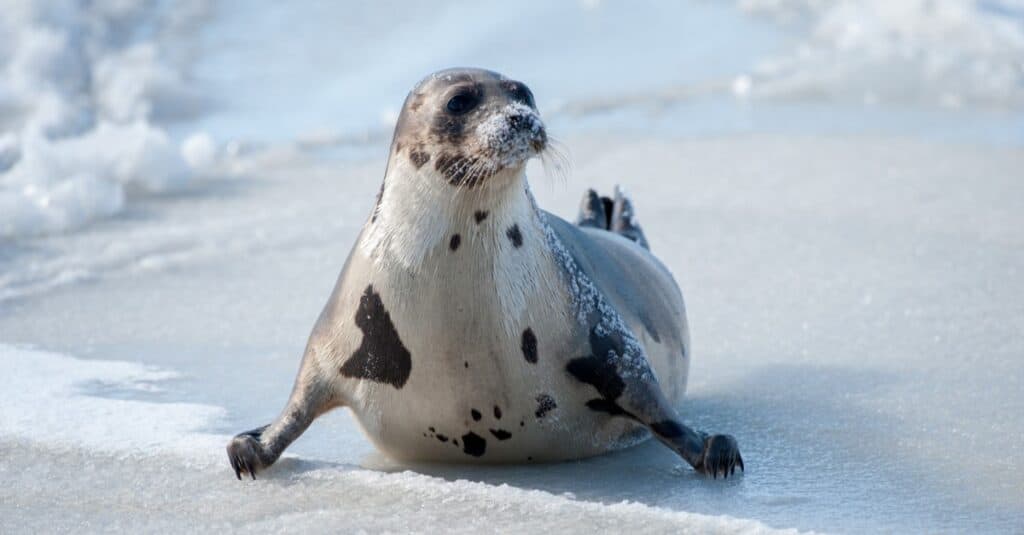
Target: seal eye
x=462, y=102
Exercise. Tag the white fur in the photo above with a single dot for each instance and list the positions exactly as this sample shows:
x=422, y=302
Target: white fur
x=419, y=213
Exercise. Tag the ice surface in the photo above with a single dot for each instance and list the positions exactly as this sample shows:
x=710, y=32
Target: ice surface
x=852, y=270
x=854, y=325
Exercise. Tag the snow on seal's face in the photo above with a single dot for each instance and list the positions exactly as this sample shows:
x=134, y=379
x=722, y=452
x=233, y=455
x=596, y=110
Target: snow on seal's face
x=468, y=125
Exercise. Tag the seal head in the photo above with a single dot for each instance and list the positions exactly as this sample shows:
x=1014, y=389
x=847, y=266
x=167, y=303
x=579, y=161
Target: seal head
x=468, y=125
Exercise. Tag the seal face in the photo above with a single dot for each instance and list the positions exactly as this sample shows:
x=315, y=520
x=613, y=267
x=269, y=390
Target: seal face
x=469, y=124
x=470, y=325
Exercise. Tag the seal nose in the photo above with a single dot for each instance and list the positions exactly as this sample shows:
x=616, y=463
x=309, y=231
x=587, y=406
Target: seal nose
x=530, y=125
x=519, y=121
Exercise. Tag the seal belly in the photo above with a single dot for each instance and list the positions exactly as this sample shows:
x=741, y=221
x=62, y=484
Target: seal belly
x=482, y=399
x=479, y=389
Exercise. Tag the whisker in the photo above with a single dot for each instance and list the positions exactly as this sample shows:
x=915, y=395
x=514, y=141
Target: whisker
x=556, y=164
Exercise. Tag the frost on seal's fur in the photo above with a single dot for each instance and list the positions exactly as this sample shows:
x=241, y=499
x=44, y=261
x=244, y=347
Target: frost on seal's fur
x=590, y=305
x=507, y=143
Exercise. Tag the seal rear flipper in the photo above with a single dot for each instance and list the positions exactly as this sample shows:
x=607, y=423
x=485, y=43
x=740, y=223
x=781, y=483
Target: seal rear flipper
x=595, y=211
x=623, y=221
x=611, y=214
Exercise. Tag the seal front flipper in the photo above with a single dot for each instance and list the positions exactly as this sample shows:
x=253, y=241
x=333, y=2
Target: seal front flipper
x=254, y=450
x=626, y=387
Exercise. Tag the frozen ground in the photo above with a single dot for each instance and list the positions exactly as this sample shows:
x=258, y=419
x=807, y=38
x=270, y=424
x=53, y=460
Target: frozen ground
x=850, y=249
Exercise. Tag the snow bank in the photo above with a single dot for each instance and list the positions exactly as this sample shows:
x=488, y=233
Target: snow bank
x=940, y=52
x=81, y=86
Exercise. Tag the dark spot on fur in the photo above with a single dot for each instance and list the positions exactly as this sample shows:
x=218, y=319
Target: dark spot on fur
x=480, y=215
x=461, y=170
x=497, y=412
x=449, y=129
x=529, y=346
x=599, y=371
x=475, y=414
x=442, y=438
x=473, y=444
x=522, y=423
x=398, y=147
x=453, y=244
x=431, y=429
x=667, y=429
x=418, y=158
x=514, y=235
x=381, y=356
x=545, y=404
x=455, y=441
x=529, y=458
x=501, y=434
x=466, y=364
x=603, y=405
x=649, y=327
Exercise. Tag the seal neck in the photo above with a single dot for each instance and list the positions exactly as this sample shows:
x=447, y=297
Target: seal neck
x=419, y=215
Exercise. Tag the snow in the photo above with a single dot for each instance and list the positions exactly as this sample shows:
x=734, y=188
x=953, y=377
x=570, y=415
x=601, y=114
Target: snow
x=81, y=85
x=852, y=270
x=945, y=52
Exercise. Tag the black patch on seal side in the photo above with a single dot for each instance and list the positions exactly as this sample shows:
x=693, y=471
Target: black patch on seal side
x=529, y=346
x=515, y=235
x=545, y=404
x=418, y=157
x=480, y=215
x=497, y=412
x=453, y=244
x=649, y=327
x=442, y=438
x=599, y=371
x=475, y=414
x=667, y=429
x=501, y=434
x=381, y=357
x=473, y=444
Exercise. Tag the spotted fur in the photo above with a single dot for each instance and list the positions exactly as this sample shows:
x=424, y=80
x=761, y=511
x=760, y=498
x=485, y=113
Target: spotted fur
x=575, y=334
